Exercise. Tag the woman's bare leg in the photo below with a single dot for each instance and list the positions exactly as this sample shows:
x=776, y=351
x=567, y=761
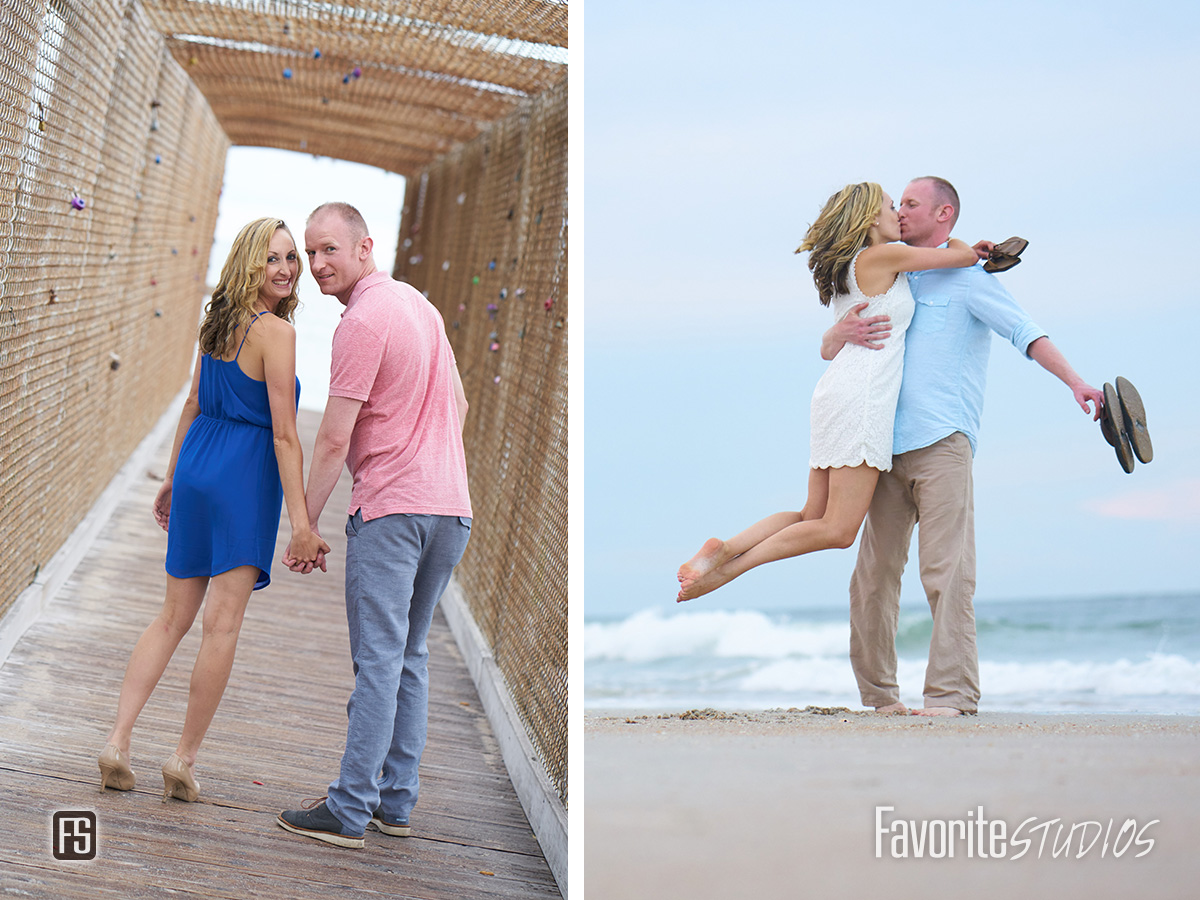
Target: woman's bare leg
x=153, y=651
x=850, y=492
x=228, y=595
x=716, y=552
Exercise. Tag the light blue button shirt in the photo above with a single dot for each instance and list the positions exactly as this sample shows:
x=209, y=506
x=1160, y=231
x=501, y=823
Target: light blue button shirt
x=946, y=353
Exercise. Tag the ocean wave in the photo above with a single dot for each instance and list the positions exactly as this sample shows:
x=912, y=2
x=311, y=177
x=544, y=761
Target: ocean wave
x=1160, y=674
x=803, y=676
x=648, y=636
x=1157, y=674
x=754, y=660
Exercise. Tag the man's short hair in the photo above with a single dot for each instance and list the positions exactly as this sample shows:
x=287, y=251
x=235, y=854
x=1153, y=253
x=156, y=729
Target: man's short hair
x=944, y=192
x=348, y=214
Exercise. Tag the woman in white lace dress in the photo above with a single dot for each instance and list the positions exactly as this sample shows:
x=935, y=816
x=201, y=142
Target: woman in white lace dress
x=855, y=258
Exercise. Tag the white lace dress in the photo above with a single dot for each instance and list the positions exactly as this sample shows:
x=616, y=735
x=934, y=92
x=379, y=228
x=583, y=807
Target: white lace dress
x=854, y=404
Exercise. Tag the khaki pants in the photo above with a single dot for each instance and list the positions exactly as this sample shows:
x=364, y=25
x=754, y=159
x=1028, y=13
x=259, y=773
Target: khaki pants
x=933, y=486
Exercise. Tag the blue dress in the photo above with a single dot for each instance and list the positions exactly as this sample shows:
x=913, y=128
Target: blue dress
x=226, y=498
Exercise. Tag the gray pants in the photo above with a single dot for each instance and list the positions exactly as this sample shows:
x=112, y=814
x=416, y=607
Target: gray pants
x=932, y=485
x=397, y=568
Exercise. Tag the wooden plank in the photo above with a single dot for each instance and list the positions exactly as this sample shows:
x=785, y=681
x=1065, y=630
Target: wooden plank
x=277, y=739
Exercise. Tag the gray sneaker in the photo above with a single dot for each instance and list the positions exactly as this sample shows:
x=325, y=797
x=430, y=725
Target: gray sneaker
x=398, y=828
x=318, y=822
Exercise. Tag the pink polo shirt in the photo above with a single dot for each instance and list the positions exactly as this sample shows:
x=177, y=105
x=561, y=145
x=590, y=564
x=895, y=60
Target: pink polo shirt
x=406, y=452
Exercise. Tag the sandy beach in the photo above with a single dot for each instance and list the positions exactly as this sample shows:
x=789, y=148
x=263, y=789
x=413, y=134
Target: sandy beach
x=831, y=803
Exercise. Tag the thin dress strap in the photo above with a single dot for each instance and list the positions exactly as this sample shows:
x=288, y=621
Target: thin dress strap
x=246, y=335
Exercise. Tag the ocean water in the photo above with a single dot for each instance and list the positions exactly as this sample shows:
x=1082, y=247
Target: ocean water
x=1112, y=654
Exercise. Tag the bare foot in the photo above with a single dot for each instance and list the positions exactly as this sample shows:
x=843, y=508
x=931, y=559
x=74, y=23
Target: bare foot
x=937, y=711
x=710, y=556
x=893, y=709
x=701, y=586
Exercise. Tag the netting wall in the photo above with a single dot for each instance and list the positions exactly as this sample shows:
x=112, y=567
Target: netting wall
x=387, y=83
x=484, y=235
x=110, y=170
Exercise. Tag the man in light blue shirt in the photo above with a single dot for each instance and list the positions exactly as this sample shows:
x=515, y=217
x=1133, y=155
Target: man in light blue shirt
x=937, y=425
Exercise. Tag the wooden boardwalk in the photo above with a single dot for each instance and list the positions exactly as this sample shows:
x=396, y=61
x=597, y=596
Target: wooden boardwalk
x=276, y=740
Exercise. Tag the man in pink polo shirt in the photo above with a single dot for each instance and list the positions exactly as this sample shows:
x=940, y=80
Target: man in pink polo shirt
x=394, y=417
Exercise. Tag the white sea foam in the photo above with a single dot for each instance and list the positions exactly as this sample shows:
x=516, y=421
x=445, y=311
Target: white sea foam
x=649, y=635
x=799, y=677
x=1157, y=674
x=754, y=660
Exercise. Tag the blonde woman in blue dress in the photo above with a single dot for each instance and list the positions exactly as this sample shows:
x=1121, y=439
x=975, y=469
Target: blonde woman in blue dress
x=856, y=259
x=235, y=461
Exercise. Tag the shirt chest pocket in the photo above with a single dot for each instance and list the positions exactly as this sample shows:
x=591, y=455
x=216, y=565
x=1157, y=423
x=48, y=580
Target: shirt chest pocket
x=929, y=314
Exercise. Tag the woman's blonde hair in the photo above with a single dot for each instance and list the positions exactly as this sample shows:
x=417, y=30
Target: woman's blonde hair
x=838, y=234
x=245, y=271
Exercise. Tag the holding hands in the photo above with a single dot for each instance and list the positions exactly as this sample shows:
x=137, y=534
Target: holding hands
x=305, y=552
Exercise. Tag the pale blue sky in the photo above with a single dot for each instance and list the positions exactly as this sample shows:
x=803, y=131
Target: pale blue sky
x=714, y=133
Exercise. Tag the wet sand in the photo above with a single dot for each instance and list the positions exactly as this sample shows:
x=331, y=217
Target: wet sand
x=793, y=804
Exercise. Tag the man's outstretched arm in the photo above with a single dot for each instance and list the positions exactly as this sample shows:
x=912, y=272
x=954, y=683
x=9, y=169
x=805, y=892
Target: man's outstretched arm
x=1043, y=352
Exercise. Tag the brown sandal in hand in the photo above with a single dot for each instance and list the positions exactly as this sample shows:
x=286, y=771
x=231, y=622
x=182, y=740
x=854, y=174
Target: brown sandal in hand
x=1005, y=255
x=1112, y=426
x=1134, y=413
